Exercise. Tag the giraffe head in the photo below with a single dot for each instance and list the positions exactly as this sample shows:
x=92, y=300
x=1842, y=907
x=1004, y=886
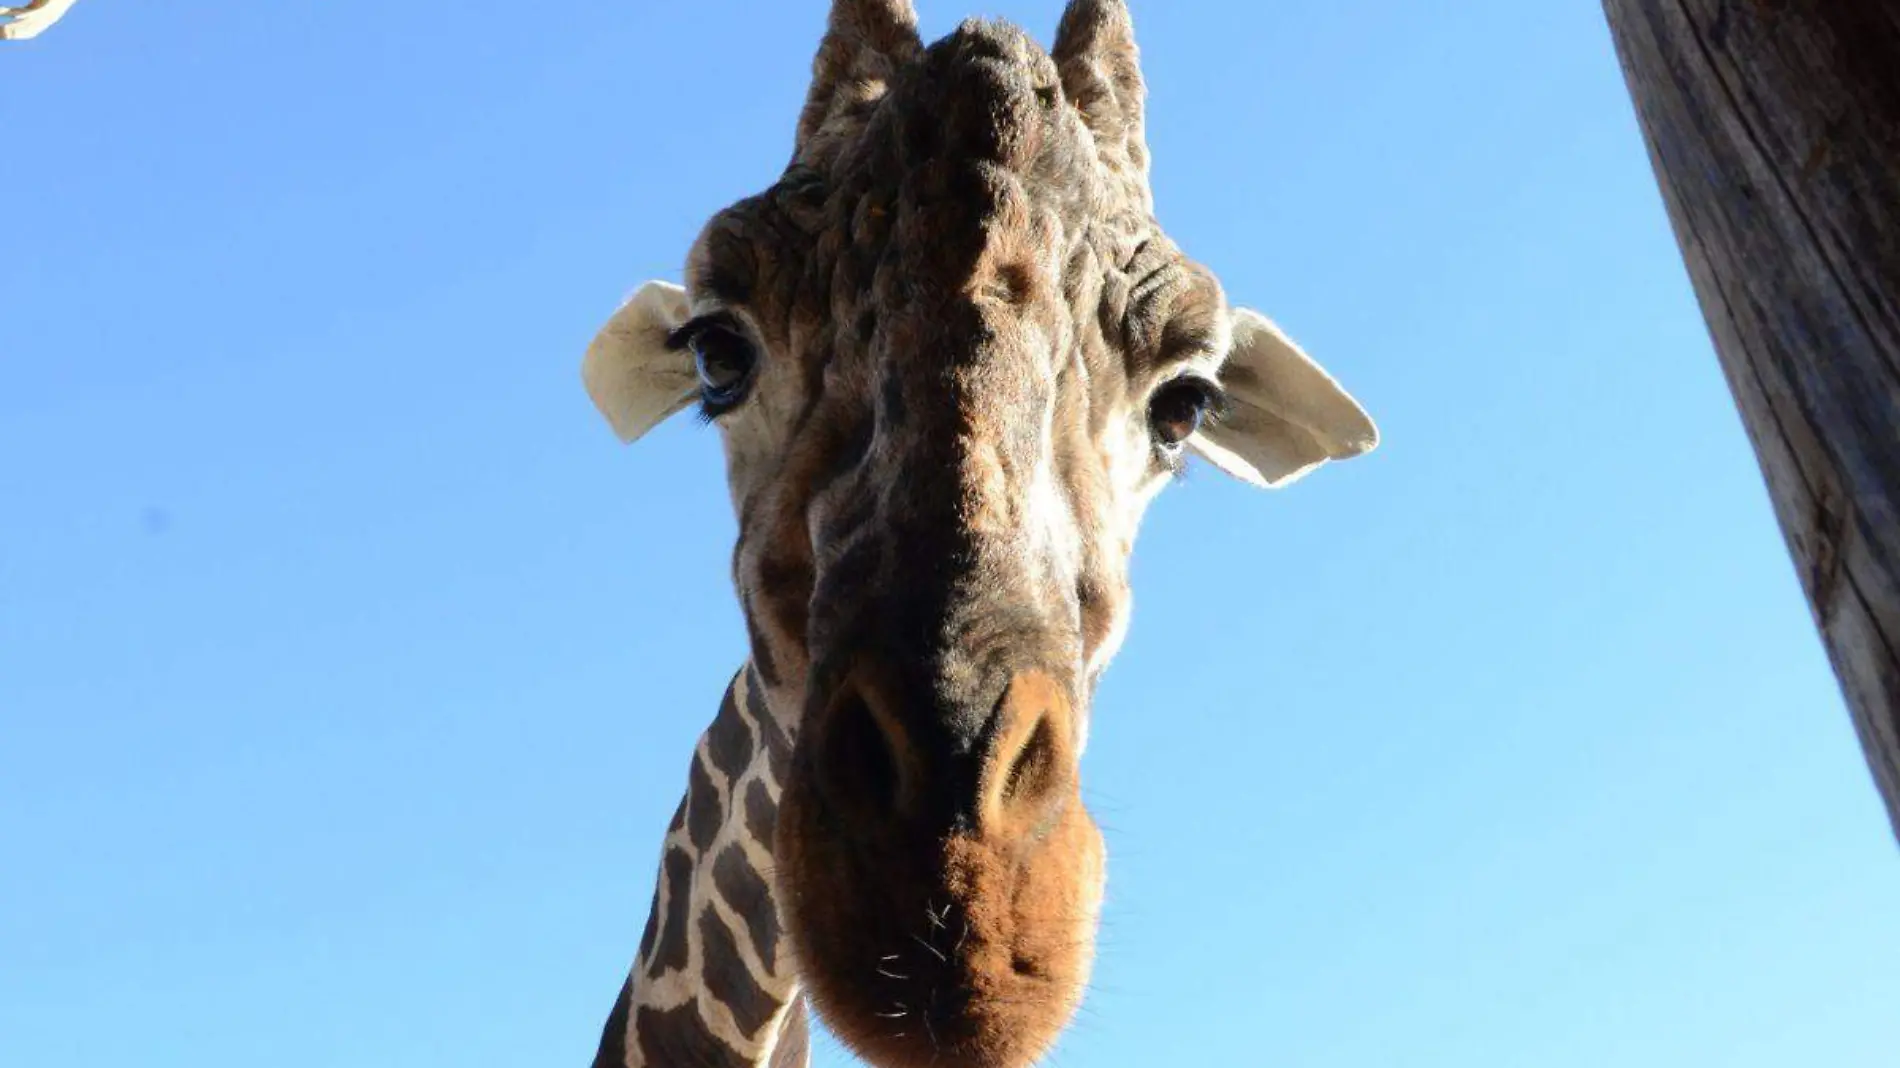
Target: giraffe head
x=952, y=357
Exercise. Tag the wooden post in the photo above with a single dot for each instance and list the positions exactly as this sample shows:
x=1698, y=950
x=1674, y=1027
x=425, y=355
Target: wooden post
x=1774, y=130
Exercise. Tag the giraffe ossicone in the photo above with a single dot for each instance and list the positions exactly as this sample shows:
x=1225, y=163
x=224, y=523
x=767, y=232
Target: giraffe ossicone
x=952, y=357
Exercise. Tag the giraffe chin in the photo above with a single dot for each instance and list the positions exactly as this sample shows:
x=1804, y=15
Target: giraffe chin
x=959, y=950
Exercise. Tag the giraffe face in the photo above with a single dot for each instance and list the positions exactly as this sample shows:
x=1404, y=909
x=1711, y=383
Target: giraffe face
x=952, y=358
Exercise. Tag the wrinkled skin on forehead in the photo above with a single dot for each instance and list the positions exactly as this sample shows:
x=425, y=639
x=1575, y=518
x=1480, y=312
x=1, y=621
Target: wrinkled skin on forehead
x=940, y=473
x=964, y=318
x=963, y=311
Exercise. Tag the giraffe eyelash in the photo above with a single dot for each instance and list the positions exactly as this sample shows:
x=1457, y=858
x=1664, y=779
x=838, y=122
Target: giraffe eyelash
x=1218, y=403
x=683, y=335
x=1215, y=404
x=723, y=389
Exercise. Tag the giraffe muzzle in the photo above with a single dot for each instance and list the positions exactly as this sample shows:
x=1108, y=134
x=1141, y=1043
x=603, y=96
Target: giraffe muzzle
x=879, y=766
x=941, y=875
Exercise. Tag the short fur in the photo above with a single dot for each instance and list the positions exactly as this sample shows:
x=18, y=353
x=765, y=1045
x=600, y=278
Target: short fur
x=964, y=306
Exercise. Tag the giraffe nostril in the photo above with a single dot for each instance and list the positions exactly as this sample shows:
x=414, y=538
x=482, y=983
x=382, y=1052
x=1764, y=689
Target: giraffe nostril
x=1031, y=765
x=1033, y=771
x=859, y=762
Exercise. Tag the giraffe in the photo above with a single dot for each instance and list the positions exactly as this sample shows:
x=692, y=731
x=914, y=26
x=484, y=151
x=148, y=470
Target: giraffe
x=951, y=357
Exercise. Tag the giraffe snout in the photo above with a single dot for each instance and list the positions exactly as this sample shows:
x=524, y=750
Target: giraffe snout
x=939, y=872
x=1003, y=773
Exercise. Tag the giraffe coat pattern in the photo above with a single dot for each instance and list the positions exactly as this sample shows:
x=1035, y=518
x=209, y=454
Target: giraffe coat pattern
x=952, y=357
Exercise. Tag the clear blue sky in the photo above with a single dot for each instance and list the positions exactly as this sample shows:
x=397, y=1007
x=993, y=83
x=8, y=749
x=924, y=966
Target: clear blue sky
x=349, y=669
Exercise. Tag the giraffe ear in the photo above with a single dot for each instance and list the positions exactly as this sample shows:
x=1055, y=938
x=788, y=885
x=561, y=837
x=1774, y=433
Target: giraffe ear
x=1285, y=414
x=632, y=375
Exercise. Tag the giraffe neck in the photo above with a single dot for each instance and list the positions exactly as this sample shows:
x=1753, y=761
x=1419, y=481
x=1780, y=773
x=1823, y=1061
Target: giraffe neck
x=711, y=985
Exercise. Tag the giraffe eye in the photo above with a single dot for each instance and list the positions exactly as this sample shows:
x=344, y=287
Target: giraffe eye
x=1179, y=408
x=724, y=360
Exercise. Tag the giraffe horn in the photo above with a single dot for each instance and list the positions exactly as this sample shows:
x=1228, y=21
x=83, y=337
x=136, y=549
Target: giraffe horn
x=865, y=43
x=1100, y=65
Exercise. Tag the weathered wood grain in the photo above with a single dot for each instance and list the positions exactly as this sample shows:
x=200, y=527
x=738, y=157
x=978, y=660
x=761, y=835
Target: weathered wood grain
x=1774, y=130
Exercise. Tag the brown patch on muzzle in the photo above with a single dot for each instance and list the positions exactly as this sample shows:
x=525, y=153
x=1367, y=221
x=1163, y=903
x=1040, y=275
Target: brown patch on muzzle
x=928, y=937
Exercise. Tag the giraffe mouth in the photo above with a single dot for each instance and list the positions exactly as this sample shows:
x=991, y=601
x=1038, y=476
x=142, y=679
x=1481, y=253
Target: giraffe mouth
x=960, y=948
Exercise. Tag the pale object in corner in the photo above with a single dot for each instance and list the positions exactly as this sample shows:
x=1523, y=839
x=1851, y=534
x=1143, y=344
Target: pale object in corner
x=31, y=19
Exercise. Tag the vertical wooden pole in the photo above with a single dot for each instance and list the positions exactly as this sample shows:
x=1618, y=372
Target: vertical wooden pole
x=1774, y=130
